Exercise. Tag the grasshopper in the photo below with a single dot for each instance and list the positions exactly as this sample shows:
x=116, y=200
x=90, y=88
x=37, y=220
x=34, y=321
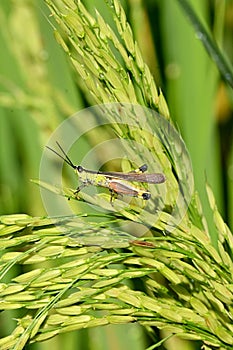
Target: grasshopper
x=116, y=182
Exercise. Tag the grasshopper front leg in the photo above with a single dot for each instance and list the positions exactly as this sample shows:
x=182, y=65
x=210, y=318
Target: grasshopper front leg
x=79, y=188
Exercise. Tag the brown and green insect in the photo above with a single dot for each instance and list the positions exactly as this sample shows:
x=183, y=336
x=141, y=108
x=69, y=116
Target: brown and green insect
x=116, y=182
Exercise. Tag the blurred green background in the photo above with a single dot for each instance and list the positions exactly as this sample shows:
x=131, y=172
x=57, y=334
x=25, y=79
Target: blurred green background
x=39, y=89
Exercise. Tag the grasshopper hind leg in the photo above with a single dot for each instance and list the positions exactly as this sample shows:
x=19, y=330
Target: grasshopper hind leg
x=143, y=168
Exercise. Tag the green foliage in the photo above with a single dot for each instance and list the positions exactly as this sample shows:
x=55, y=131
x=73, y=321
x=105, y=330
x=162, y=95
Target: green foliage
x=187, y=282
x=83, y=271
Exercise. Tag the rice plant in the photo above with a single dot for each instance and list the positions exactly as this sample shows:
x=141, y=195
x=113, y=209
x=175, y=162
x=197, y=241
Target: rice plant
x=165, y=264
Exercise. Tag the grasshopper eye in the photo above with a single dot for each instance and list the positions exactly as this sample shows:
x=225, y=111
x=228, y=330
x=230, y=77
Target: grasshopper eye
x=79, y=168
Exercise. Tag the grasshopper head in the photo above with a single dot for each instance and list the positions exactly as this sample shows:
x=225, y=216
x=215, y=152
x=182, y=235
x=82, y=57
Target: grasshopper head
x=79, y=169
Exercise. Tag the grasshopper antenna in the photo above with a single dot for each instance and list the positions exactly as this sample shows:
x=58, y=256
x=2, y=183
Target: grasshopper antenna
x=64, y=157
